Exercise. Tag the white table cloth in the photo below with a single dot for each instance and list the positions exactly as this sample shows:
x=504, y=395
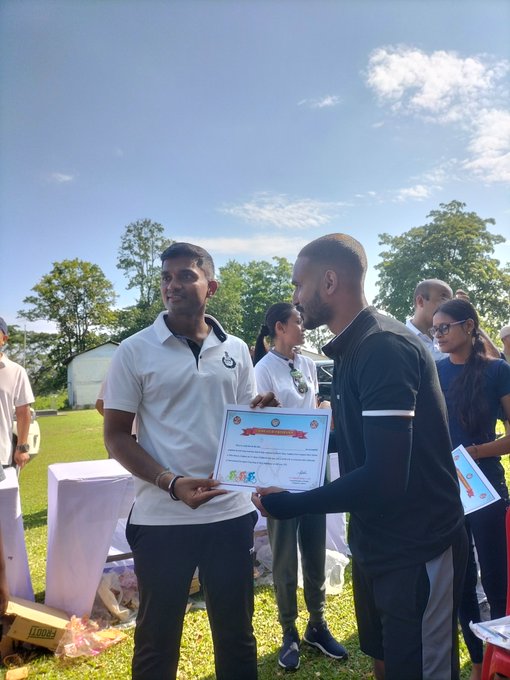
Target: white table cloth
x=15, y=552
x=85, y=502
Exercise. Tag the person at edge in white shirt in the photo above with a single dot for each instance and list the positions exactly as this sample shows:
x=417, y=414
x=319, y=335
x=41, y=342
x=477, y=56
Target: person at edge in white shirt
x=428, y=295
x=15, y=397
x=4, y=588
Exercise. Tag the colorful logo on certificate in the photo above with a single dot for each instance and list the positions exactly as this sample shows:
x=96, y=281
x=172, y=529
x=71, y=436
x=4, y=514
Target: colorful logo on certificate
x=242, y=476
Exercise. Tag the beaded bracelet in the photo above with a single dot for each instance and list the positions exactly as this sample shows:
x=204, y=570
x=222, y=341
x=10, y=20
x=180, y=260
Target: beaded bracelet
x=161, y=474
x=171, y=487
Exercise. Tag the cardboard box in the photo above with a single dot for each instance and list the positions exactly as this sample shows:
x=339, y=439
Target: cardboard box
x=6, y=643
x=35, y=623
x=195, y=585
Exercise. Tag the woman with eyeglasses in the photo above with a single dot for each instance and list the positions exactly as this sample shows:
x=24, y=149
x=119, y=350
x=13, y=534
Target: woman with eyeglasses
x=476, y=389
x=293, y=379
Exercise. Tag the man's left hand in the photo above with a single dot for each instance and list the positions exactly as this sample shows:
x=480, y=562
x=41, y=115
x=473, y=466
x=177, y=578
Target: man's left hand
x=21, y=459
x=195, y=492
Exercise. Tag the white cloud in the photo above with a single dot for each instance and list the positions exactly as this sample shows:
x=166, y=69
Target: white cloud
x=277, y=210
x=325, y=102
x=444, y=88
x=367, y=194
x=490, y=146
x=254, y=247
x=59, y=178
x=441, y=84
x=446, y=171
x=417, y=193
x=429, y=183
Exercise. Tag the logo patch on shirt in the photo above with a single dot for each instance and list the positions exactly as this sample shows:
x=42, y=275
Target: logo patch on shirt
x=228, y=361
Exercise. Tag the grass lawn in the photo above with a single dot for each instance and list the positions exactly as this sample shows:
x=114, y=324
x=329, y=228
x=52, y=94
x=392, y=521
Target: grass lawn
x=75, y=436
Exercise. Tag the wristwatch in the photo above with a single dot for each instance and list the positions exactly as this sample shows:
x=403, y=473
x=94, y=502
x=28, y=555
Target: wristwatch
x=23, y=448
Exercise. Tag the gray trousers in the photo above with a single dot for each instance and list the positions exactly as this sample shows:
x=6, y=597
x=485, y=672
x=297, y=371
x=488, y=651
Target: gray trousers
x=284, y=535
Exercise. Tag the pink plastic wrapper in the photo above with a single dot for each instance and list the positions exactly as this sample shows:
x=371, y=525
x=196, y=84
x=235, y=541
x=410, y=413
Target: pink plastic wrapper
x=84, y=637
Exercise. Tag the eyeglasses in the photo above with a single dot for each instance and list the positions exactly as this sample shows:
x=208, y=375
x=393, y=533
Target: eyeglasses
x=444, y=328
x=299, y=382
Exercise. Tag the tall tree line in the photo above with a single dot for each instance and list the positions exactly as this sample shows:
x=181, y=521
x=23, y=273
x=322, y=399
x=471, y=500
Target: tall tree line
x=454, y=245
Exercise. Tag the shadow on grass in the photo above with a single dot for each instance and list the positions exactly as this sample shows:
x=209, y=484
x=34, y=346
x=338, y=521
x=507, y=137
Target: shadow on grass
x=36, y=519
x=314, y=664
x=39, y=596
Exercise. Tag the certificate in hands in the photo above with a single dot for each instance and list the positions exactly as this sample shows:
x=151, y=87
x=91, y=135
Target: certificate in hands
x=475, y=489
x=273, y=447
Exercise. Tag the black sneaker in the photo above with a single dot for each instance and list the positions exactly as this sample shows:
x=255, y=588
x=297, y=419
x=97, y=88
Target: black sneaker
x=288, y=656
x=320, y=637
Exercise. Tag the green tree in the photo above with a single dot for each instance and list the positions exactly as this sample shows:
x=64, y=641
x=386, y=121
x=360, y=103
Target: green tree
x=141, y=245
x=245, y=293
x=78, y=298
x=318, y=337
x=226, y=304
x=455, y=246
x=265, y=284
x=38, y=353
x=130, y=320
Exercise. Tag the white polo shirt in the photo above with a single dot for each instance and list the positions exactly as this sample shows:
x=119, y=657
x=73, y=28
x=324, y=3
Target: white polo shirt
x=179, y=406
x=15, y=390
x=427, y=341
x=273, y=374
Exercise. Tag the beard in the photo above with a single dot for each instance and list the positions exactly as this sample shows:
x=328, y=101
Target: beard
x=316, y=313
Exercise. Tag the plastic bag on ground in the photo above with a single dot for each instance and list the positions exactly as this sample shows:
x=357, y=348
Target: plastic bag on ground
x=83, y=637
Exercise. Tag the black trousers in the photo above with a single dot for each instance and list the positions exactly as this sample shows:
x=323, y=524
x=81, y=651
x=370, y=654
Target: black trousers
x=408, y=617
x=165, y=560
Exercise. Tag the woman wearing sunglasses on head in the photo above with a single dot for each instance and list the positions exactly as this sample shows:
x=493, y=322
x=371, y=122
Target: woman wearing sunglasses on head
x=477, y=389
x=293, y=379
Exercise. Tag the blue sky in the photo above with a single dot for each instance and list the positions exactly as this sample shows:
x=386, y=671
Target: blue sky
x=249, y=127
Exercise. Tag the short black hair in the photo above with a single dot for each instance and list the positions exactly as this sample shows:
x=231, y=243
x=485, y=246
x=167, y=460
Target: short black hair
x=193, y=252
x=338, y=250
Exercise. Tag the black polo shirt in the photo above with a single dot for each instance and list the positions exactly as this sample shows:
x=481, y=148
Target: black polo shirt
x=400, y=483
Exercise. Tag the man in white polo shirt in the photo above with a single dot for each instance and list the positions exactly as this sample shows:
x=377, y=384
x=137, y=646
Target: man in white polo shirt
x=428, y=295
x=177, y=375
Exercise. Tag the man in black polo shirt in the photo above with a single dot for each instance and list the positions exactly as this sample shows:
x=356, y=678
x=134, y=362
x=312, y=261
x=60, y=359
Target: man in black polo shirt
x=406, y=529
